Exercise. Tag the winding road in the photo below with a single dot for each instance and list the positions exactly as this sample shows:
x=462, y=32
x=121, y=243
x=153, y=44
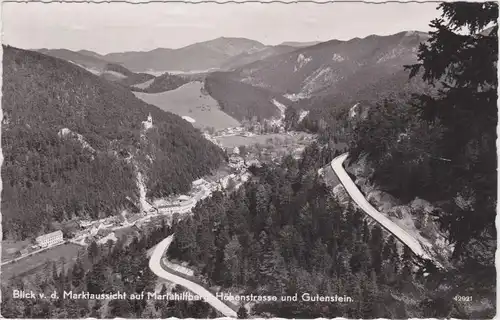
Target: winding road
x=361, y=201
x=155, y=266
x=353, y=191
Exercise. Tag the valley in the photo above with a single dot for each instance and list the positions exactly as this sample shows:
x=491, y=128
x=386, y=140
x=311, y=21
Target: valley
x=355, y=167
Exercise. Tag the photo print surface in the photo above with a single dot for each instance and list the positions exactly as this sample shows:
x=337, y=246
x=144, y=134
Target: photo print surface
x=253, y=160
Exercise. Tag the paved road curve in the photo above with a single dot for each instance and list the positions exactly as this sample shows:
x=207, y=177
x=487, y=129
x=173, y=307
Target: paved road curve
x=155, y=266
x=360, y=200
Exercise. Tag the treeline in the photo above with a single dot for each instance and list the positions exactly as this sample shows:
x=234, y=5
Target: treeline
x=50, y=178
x=285, y=234
x=131, y=77
x=165, y=82
x=108, y=268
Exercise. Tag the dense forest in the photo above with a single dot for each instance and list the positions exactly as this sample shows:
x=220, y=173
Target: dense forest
x=241, y=100
x=165, y=82
x=49, y=177
x=107, y=268
x=398, y=88
x=285, y=233
x=443, y=147
x=131, y=77
x=275, y=236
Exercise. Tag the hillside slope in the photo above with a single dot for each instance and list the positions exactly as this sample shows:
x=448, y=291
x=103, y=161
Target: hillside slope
x=241, y=100
x=334, y=66
x=164, y=82
x=48, y=177
x=96, y=64
x=264, y=53
x=337, y=72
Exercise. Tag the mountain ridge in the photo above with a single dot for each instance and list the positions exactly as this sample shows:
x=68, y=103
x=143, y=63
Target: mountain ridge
x=337, y=72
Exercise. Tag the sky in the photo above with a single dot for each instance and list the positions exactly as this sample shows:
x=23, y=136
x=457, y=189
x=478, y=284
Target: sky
x=117, y=27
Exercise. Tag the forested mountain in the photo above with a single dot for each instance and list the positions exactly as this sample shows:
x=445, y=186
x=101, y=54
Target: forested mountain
x=278, y=235
x=334, y=66
x=249, y=57
x=285, y=234
x=241, y=100
x=49, y=176
x=87, y=59
x=165, y=82
x=118, y=73
x=445, y=145
x=442, y=147
x=96, y=64
x=334, y=74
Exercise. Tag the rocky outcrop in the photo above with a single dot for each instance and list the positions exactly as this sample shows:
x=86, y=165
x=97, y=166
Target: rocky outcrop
x=424, y=208
x=364, y=185
x=341, y=195
x=381, y=200
x=414, y=217
x=360, y=169
x=399, y=212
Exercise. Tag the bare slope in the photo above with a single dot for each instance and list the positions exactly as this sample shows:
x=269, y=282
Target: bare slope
x=189, y=100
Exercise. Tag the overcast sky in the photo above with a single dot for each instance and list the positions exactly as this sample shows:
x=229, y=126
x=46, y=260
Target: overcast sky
x=113, y=27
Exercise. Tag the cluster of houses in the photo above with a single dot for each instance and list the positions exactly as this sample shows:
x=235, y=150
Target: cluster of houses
x=230, y=131
x=99, y=231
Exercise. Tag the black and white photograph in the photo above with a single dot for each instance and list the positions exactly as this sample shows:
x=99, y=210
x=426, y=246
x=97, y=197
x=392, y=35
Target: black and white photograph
x=249, y=160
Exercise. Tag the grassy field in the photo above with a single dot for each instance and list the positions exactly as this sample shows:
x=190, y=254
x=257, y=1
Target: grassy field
x=236, y=141
x=9, y=248
x=69, y=251
x=188, y=100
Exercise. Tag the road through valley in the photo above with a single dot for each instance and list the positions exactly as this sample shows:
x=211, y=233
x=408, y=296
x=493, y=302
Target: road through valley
x=155, y=266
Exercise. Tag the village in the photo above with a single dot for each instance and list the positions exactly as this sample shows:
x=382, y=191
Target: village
x=245, y=146
x=103, y=230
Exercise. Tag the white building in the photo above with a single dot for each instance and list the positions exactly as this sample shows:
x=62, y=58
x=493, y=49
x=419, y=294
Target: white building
x=50, y=239
x=199, y=182
x=148, y=123
x=183, y=198
x=111, y=236
x=85, y=223
x=99, y=226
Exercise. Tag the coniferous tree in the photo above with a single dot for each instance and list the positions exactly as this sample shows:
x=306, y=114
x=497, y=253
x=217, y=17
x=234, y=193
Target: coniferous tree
x=461, y=58
x=242, y=313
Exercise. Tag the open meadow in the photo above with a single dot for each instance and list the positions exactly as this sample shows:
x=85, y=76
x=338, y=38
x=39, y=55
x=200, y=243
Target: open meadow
x=189, y=101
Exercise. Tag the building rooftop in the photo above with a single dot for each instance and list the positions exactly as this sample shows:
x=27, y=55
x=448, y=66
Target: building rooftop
x=51, y=234
x=183, y=198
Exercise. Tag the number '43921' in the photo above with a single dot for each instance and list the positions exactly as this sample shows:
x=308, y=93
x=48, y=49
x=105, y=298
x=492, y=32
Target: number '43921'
x=463, y=298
